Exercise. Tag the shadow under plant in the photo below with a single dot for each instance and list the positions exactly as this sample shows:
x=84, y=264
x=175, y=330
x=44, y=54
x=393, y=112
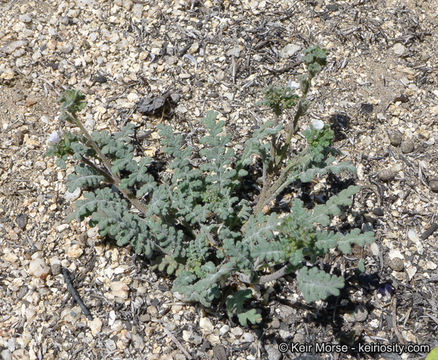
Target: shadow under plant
x=194, y=222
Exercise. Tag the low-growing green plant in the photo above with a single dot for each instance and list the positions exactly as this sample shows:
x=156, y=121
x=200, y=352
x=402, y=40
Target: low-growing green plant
x=195, y=222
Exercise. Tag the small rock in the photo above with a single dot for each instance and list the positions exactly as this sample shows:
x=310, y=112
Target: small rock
x=430, y=265
x=18, y=138
x=396, y=264
x=67, y=49
x=12, y=46
x=415, y=238
x=127, y=4
x=275, y=323
x=152, y=310
x=119, y=289
x=285, y=334
x=407, y=146
x=366, y=108
x=206, y=325
x=235, y=51
x=433, y=183
x=30, y=101
x=171, y=60
x=25, y=18
x=206, y=344
x=137, y=11
x=132, y=97
x=138, y=341
x=75, y=251
x=360, y=313
x=110, y=345
x=395, y=138
x=386, y=174
x=248, y=337
x=213, y=339
x=286, y=313
x=21, y=221
x=73, y=13
x=186, y=335
x=40, y=165
x=410, y=337
x=99, y=78
x=12, y=344
x=64, y=20
x=192, y=337
x=7, y=74
x=289, y=50
x=378, y=211
x=93, y=233
x=293, y=85
x=196, y=339
x=72, y=196
x=348, y=317
x=220, y=352
x=55, y=268
x=411, y=271
x=299, y=337
x=375, y=249
x=399, y=49
x=237, y=331
x=95, y=326
x=114, y=37
x=273, y=352
x=227, y=108
x=18, y=53
x=62, y=227
x=393, y=253
x=224, y=329
x=9, y=256
x=6, y=355
x=38, y=268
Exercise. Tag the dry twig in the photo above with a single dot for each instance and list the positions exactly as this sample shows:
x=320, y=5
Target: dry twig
x=75, y=294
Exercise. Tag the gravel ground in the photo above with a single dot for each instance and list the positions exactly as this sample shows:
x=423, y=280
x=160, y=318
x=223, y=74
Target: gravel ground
x=379, y=93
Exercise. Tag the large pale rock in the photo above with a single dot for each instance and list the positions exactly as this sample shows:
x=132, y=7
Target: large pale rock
x=119, y=289
x=38, y=268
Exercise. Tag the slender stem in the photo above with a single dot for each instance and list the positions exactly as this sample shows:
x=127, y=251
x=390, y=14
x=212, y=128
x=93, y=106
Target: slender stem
x=273, y=163
x=273, y=152
x=300, y=112
x=267, y=194
x=274, y=276
x=102, y=172
x=126, y=193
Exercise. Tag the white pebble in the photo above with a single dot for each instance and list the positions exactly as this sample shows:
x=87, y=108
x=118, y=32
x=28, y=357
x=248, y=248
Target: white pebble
x=206, y=325
x=38, y=268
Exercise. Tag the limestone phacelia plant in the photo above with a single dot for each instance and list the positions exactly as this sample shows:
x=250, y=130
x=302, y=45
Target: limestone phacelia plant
x=196, y=222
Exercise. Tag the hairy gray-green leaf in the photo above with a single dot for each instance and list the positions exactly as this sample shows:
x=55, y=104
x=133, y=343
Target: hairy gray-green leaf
x=316, y=284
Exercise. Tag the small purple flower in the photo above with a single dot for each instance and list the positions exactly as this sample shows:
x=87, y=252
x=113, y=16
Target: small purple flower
x=54, y=138
x=386, y=290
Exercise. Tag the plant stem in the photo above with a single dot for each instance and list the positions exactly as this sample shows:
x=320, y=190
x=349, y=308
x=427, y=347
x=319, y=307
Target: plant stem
x=116, y=180
x=267, y=194
x=300, y=112
x=104, y=173
x=274, y=276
